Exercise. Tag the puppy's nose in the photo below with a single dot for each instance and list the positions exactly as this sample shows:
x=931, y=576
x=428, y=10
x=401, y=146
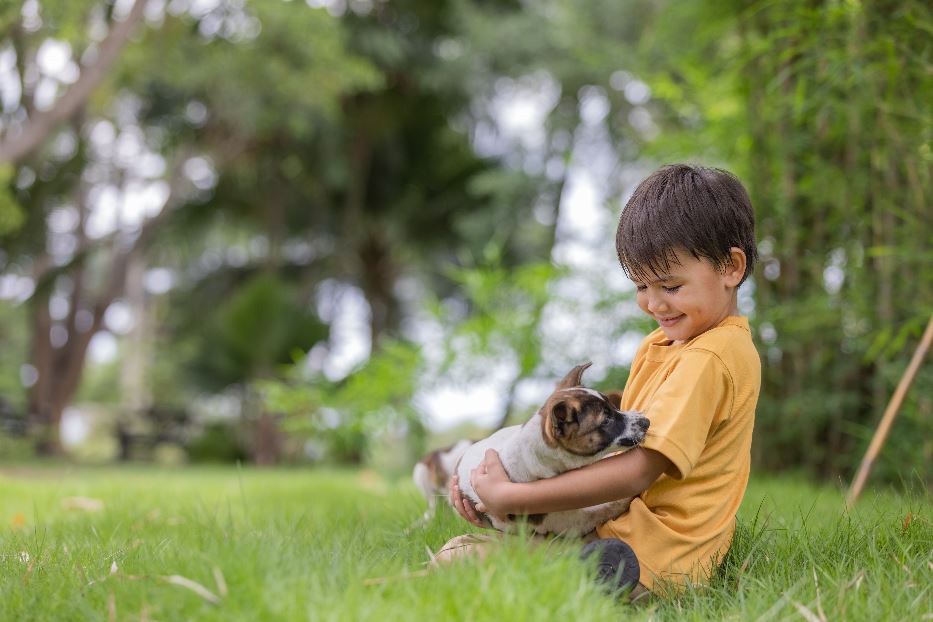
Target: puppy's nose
x=643, y=424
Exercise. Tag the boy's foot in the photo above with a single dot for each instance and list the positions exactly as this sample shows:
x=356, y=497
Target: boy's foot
x=616, y=566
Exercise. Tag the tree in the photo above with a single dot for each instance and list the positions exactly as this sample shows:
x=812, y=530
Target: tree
x=89, y=272
x=845, y=196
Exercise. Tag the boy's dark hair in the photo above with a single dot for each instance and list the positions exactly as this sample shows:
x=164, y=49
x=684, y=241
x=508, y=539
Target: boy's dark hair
x=705, y=211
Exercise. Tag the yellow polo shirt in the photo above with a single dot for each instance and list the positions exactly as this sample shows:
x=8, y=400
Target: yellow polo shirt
x=700, y=397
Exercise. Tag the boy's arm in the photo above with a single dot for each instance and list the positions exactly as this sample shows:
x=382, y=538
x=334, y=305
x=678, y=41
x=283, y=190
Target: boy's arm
x=617, y=477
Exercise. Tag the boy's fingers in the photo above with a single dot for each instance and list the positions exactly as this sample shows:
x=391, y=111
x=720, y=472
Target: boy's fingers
x=457, y=500
x=471, y=511
x=463, y=506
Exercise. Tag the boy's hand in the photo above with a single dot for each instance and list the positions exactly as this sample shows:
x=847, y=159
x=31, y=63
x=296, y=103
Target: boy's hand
x=492, y=485
x=462, y=504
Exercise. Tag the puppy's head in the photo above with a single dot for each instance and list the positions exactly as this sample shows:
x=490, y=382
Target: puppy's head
x=585, y=422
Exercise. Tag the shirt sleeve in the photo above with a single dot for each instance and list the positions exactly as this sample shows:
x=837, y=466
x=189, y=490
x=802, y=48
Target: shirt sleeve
x=696, y=393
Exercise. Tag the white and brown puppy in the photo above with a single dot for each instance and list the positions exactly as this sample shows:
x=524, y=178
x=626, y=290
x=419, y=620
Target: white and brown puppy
x=576, y=427
x=433, y=472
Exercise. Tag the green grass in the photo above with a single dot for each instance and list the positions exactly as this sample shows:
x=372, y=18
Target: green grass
x=302, y=545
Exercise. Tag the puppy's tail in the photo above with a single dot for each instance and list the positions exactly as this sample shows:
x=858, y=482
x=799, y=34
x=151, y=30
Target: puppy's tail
x=424, y=480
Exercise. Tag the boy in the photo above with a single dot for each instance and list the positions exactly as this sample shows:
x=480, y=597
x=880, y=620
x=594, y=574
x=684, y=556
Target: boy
x=686, y=239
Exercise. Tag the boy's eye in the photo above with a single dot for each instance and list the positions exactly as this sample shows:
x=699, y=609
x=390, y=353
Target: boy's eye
x=672, y=290
x=641, y=288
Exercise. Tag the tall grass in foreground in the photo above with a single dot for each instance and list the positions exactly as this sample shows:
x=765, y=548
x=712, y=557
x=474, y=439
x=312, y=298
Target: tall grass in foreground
x=226, y=544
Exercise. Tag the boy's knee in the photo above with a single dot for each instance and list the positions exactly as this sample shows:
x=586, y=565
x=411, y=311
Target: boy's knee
x=617, y=566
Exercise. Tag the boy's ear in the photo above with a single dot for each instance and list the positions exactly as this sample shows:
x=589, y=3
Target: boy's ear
x=574, y=378
x=615, y=398
x=735, y=269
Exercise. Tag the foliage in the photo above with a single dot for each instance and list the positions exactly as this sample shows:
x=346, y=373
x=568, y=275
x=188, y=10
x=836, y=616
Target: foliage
x=217, y=442
x=11, y=212
x=13, y=319
x=15, y=448
x=346, y=415
x=296, y=148
x=184, y=93
x=499, y=324
x=258, y=328
x=305, y=69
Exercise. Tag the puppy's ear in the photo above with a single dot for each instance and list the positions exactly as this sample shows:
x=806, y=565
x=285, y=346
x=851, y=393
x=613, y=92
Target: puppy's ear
x=556, y=414
x=562, y=414
x=615, y=398
x=574, y=378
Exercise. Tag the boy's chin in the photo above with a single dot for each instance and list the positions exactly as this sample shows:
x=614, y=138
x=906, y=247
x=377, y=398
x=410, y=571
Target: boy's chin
x=676, y=333
x=669, y=335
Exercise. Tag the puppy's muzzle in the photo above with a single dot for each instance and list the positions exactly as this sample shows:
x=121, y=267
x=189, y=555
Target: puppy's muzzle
x=635, y=430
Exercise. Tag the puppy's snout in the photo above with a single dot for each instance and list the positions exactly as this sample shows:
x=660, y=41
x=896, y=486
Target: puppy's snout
x=635, y=430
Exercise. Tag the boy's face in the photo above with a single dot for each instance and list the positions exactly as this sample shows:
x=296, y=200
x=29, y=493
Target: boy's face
x=693, y=296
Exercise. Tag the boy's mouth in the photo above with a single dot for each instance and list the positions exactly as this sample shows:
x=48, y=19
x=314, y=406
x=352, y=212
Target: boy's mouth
x=669, y=321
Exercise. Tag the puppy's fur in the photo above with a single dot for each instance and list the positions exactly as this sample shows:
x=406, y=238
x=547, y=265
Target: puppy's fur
x=575, y=427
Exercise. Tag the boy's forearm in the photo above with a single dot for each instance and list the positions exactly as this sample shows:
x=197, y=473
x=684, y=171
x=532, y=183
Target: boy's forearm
x=617, y=477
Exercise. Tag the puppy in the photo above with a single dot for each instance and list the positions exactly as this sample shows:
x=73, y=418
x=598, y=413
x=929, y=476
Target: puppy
x=575, y=427
x=433, y=472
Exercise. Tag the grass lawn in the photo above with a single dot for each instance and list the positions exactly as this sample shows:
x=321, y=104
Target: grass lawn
x=230, y=544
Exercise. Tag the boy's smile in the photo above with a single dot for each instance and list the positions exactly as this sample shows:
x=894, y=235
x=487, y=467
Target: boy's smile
x=693, y=296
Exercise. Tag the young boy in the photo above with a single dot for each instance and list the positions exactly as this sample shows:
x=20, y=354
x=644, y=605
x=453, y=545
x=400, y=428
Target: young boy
x=686, y=239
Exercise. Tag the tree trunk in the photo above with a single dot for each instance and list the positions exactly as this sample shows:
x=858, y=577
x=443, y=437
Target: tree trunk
x=60, y=367
x=268, y=448
x=378, y=276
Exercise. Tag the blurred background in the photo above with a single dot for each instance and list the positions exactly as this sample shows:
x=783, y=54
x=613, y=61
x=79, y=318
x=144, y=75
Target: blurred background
x=348, y=231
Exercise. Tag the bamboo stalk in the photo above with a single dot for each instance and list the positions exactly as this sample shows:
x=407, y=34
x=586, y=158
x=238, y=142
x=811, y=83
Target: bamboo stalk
x=881, y=433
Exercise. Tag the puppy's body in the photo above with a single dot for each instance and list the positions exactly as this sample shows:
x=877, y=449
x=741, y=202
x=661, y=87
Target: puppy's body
x=575, y=427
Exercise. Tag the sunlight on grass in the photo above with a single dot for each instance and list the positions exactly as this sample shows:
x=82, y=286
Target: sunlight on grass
x=223, y=544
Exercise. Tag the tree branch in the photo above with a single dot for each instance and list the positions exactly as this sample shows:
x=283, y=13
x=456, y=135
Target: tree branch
x=14, y=148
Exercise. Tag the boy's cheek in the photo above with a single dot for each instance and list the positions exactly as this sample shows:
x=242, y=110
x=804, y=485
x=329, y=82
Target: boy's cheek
x=642, y=301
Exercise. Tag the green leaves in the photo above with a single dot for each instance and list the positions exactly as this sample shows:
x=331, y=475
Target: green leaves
x=11, y=212
x=255, y=331
x=345, y=415
x=503, y=316
x=292, y=67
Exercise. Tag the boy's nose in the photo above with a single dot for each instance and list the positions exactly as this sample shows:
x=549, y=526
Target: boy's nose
x=655, y=304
